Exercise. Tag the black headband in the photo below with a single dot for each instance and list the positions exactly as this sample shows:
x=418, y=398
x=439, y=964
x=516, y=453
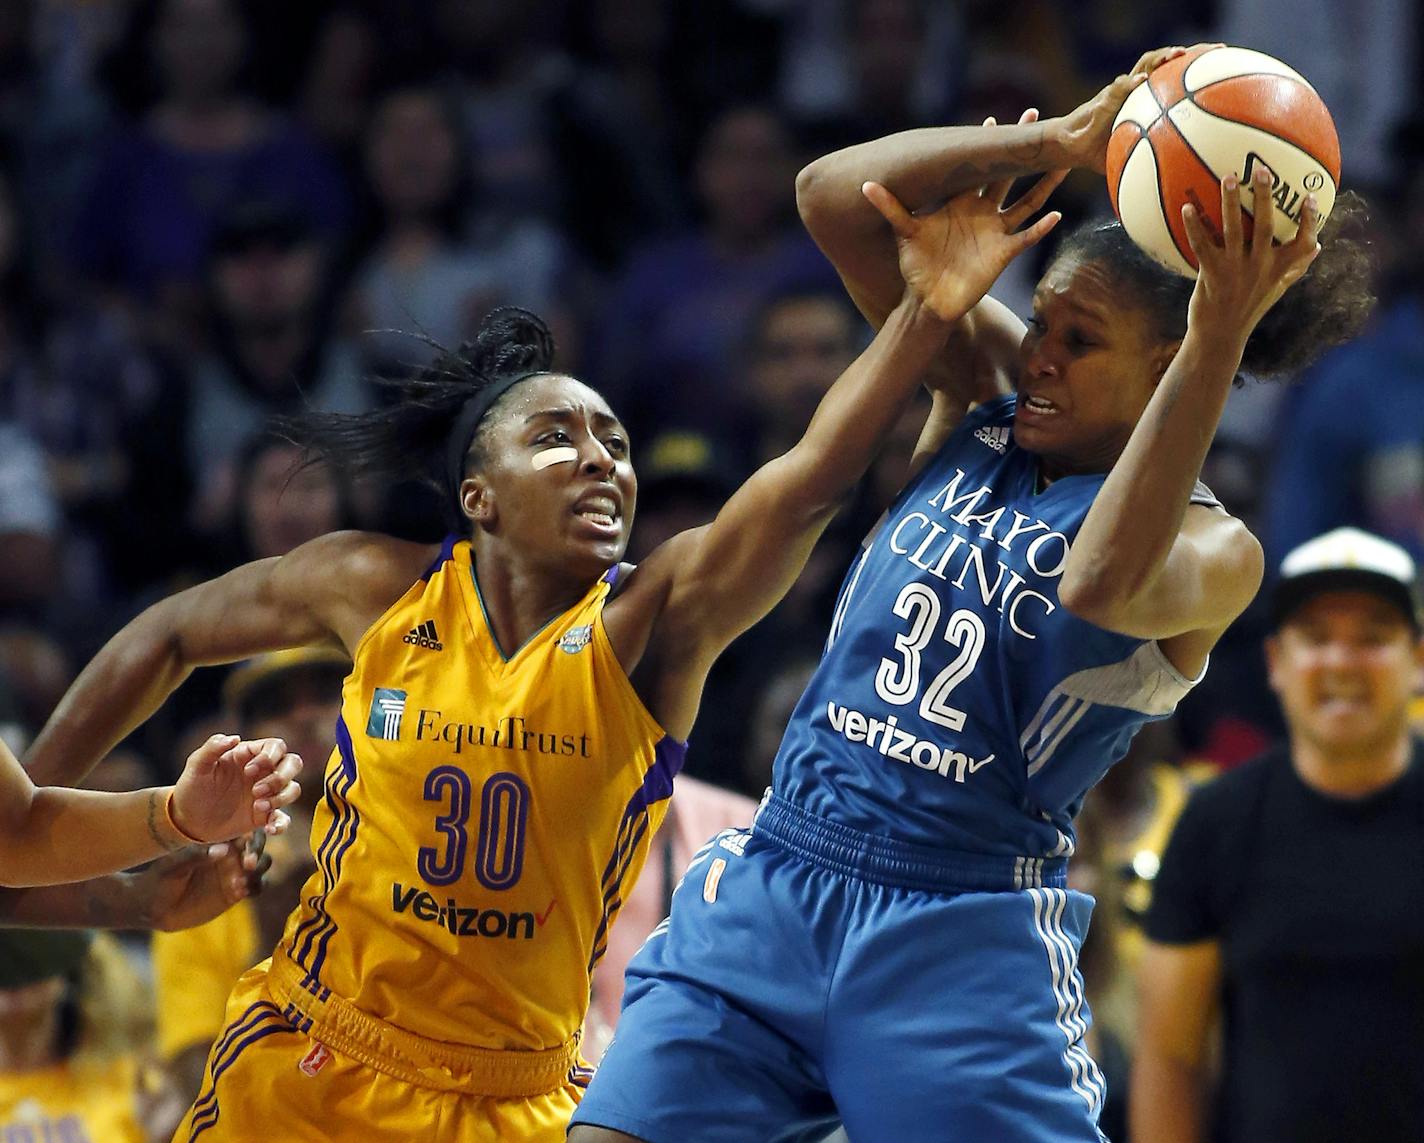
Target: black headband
x=462, y=432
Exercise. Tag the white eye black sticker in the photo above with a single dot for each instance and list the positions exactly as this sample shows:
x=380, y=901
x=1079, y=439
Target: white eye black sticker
x=556, y=455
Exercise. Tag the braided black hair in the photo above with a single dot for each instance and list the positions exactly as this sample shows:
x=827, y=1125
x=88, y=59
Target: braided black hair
x=411, y=436
x=1327, y=307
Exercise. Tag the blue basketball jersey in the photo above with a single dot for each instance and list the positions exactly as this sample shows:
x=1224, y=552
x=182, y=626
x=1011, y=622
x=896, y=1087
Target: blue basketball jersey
x=958, y=704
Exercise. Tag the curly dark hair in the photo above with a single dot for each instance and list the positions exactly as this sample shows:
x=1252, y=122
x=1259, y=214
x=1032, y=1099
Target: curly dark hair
x=1328, y=306
x=411, y=436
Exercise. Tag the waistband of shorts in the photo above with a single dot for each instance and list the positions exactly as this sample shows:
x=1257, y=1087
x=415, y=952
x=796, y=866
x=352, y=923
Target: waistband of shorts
x=338, y=1024
x=904, y=865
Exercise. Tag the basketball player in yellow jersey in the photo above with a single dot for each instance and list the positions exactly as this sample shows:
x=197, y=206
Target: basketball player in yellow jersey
x=516, y=712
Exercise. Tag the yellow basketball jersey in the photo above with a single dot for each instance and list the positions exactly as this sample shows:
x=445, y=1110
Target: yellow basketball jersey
x=484, y=816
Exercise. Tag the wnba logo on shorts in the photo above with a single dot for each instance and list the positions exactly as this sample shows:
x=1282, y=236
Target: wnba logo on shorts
x=315, y=1059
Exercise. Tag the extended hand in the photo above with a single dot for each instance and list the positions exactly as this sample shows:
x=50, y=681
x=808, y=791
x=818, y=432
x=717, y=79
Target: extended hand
x=951, y=257
x=194, y=885
x=1086, y=129
x=1239, y=279
x=230, y=787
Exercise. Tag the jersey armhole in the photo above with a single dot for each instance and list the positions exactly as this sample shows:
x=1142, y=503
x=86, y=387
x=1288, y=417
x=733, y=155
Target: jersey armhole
x=1165, y=665
x=447, y=553
x=975, y=418
x=626, y=680
x=617, y=577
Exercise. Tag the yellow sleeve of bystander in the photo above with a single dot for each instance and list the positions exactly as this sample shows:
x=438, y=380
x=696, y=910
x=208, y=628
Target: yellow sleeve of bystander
x=195, y=970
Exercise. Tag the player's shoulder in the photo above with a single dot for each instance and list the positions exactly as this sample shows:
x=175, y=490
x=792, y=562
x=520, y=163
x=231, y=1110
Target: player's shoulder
x=639, y=593
x=353, y=573
x=618, y=577
x=652, y=576
x=995, y=411
x=984, y=434
x=1207, y=518
x=369, y=555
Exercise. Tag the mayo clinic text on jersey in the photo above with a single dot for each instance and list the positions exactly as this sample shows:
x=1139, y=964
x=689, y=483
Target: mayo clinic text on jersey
x=929, y=546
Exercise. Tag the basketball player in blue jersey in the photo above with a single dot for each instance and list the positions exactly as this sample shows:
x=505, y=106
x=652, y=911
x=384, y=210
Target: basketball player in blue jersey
x=470, y=858
x=892, y=945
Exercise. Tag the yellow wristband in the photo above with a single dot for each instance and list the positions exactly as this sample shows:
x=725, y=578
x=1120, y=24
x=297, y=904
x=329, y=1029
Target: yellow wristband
x=173, y=825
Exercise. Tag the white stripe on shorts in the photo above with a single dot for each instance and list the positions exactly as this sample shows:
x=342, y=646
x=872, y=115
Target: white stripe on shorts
x=1085, y=1078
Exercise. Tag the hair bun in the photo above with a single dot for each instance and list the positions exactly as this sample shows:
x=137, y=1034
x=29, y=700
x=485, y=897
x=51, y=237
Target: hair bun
x=510, y=340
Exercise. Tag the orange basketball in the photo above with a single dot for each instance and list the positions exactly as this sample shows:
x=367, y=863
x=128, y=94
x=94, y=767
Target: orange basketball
x=1207, y=114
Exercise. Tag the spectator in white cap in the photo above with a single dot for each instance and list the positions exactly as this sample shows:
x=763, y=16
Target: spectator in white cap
x=1290, y=903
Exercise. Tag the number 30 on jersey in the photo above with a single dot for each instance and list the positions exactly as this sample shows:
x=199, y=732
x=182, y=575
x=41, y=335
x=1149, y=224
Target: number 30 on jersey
x=499, y=842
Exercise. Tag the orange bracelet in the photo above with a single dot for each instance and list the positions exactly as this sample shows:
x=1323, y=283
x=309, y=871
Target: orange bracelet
x=173, y=825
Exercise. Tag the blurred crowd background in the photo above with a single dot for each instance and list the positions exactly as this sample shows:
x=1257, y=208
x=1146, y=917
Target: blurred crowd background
x=214, y=211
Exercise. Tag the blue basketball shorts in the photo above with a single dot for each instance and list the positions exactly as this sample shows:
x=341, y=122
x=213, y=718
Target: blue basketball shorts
x=792, y=988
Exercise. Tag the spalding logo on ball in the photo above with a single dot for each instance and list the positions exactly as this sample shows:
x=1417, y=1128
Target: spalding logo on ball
x=1205, y=115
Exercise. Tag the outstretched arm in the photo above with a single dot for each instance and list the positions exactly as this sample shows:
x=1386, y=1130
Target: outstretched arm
x=185, y=889
x=1141, y=563
x=719, y=580
x=922, y=168
x=326, y=591
x=50, y=835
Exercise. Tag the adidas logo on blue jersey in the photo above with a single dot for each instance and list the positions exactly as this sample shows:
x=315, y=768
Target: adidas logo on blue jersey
x=425, y=636
x=995, y=436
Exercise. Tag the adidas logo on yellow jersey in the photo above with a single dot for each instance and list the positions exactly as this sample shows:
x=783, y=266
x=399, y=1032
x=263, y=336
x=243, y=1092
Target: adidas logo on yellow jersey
x=424, y=636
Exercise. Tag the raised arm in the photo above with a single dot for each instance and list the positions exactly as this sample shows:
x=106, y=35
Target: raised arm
x=976, y=363
x=716, y=582
x=1144, y=562
x=51, y=835
x=326, y=591
x=922, y=168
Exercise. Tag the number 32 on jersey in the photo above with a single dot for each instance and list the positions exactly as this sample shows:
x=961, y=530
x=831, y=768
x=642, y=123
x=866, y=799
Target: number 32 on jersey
x=897, y=681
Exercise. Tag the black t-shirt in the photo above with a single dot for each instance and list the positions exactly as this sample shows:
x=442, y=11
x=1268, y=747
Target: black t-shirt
x=1318, y=904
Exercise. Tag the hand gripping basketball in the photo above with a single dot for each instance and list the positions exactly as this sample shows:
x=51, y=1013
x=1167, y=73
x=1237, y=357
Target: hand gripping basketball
x=1087, y=128
x=1241, y=278
x=1208, y=113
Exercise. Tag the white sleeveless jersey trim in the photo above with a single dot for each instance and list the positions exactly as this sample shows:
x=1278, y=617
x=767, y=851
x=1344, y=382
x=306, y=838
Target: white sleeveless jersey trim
x=1145, y=682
